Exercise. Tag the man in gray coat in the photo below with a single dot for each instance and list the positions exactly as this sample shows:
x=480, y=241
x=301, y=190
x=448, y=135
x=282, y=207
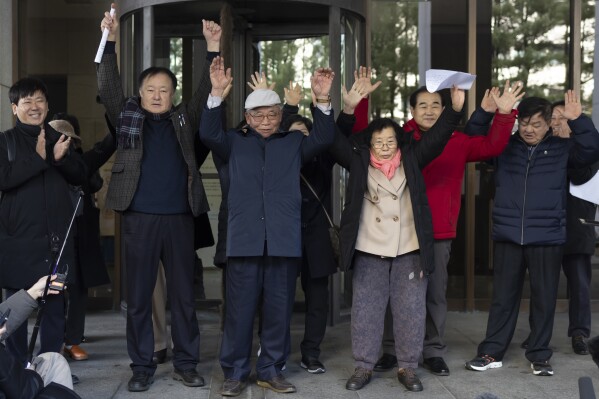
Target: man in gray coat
x=49, y=373
x=156, y=187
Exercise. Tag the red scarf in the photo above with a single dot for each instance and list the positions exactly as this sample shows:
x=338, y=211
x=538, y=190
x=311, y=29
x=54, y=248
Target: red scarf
x=387, y=166
x=412, y=126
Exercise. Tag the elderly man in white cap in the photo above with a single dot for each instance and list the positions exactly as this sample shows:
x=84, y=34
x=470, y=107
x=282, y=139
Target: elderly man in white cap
x=264, y=226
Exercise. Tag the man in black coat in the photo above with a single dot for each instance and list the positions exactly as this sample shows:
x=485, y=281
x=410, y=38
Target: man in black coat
x=580, y=244
x=36, y=168
x=529, y=226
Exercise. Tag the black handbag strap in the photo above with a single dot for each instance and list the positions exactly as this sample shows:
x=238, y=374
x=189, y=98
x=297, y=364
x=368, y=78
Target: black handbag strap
x=319, y=201
x=10, y=145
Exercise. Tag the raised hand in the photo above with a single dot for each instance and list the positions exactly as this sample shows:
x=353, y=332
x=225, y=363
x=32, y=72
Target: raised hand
x=112, y=23
x=458, y=96
x=573, y=107
x=40, y=145
x=219, y=77
x=487, y=103
x=364, y=75
x=511, y=94
x=260, y=82
x=293, y=94
x=212, y=32
x=321, y=82
x=352, y=98
x=227, y=90
x=61, y=147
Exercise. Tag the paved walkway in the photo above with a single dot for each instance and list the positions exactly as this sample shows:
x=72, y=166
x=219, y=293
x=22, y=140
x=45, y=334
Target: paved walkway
x=106, y=374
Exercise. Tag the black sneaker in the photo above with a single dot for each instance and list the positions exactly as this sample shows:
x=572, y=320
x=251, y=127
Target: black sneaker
x=312, y=365
x=482, y=363
x=579, y=346
x=189, y=377
x=542, y=368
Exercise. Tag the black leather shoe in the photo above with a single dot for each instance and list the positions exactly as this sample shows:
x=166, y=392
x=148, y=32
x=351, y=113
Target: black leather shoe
x=359, y=379
x=278, y=384
x=232, y=387
x=159, y=357
x=189, y=377
x=140, y=381
x=579, y=346
x=385, y=363
x=407, y=376
x=437, y=365
x=75, y=379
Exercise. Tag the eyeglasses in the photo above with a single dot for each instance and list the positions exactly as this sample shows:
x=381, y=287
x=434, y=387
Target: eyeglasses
x=379, y=144
x=258, y=117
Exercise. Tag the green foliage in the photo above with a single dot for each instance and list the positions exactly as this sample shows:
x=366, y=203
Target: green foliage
x=294, y=60
x=394, y=56
x=530, y=36
x=176, y=65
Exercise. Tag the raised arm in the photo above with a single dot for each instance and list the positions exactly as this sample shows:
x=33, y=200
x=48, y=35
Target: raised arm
x=211, y=129
x=323, y=131
x=483, y=147
x=110, y=89
x=585, y=149
x=212, y=33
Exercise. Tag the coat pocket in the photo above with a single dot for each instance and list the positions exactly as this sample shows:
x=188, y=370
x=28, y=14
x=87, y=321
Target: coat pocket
x=118, y=167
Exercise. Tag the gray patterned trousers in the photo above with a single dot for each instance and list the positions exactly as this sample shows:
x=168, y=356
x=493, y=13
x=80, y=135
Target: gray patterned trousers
x=376, y=282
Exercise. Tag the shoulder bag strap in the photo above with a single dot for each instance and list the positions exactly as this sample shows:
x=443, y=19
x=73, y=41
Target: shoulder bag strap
x=319, y=201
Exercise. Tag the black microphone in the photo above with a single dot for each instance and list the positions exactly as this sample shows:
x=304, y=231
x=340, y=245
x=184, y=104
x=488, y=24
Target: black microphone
x=585, y=388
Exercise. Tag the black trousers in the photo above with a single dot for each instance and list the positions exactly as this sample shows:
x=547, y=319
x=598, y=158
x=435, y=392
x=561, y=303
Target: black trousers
x=247, y=278
x=577, y=268
x=148, y=239
x=510, y=263
x=77, y=305
x=316, y=292
x=51, y=334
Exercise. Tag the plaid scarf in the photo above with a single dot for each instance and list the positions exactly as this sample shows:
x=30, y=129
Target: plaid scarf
x=129, y=124
x=131, y=121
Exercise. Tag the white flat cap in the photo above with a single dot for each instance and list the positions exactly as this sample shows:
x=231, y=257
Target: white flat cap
x=262, y=98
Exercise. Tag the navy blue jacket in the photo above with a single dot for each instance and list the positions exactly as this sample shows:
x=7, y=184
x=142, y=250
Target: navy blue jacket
x=531, y=184
x=264, y=199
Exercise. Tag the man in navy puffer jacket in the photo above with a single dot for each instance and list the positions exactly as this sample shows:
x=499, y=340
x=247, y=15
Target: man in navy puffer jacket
x=529, y=226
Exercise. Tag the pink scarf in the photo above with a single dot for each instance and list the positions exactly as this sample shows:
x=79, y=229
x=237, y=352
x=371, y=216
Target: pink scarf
x=388, y=167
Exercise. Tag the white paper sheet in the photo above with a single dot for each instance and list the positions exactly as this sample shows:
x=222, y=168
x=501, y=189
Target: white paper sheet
x=588, y=191
x=438, y=79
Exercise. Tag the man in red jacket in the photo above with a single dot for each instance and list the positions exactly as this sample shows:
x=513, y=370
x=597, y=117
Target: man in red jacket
x=443, y=180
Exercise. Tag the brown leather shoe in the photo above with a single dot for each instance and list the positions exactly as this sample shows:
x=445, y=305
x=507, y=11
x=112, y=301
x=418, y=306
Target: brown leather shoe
x=278, y=384
x=359, y=379
x=407, y=376
x=75, y=353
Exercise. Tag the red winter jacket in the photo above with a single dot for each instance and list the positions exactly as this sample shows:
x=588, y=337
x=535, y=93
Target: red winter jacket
x=443, y=176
